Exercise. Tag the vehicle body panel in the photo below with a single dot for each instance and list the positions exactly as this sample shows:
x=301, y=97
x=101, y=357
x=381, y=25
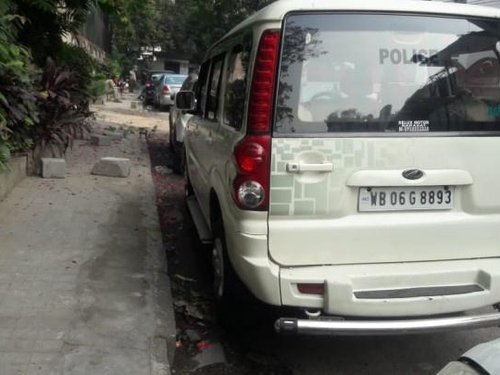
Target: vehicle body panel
x=436, y=260
x=323, y=207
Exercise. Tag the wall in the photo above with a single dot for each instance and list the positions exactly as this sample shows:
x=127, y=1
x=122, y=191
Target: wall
x=15, y=174
x=93, y=36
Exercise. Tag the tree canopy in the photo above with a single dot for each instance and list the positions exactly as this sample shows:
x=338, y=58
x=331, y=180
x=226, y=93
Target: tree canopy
x=182, y=28
x=191, y=26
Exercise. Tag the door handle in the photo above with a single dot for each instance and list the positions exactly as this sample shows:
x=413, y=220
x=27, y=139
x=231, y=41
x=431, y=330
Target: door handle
x=299, y=167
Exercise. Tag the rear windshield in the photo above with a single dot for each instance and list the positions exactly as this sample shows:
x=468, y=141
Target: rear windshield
x=156, y=76
x=175, y=80
x=374, y=73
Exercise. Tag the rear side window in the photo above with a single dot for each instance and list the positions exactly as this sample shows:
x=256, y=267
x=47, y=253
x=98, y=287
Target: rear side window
x=201, y=89
x=236, y=85
x=175, y=80
x=188, y=84
x=380, y=73
x=213, y=88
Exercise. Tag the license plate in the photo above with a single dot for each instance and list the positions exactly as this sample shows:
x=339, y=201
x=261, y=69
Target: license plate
x=406, y=198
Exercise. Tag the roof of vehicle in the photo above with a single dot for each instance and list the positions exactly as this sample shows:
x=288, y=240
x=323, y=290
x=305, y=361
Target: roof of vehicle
x=161, y=72
x=277, y=10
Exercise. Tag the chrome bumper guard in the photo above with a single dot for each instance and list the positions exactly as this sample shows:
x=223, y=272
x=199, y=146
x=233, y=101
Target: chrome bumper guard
x=324, y=326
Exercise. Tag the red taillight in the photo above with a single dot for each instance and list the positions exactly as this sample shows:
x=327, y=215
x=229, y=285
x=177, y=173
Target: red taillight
x=251, y=186
x=311, y=288
x=166, y=89
x=253, y=154
x=149, y=84
x=264, y=77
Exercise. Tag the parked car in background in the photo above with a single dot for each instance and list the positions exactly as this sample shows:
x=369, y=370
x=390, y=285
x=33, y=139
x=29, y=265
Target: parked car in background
x=152, y=79
x=341, y=159
x=177, y=124
x=167, y=85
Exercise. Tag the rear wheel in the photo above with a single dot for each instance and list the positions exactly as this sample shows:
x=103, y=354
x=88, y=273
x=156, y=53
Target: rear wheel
x=237, y=309
x=229, y=291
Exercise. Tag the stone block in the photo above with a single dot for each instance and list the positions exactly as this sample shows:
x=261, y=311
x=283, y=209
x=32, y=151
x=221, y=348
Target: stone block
x=114, y=136
x=53, y=168
x=112, y=167
x=99, y=140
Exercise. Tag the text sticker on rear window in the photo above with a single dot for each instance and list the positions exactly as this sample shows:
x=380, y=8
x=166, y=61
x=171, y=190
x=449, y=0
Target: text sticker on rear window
x=413, y=126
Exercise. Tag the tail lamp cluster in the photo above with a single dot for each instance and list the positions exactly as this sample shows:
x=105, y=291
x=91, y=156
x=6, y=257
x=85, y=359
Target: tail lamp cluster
x=166, y=90
x=253, y=153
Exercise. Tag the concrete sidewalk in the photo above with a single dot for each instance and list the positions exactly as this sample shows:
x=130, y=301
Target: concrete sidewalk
x=83, y=284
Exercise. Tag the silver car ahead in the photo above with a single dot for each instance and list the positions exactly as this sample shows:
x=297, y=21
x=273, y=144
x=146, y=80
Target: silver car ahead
x=168, y=85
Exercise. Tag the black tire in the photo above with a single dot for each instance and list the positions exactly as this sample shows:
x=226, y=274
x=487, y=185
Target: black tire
x=225, y=281
x=188, y=188
x=179, y=157
x=229, y=292
x=170, y=132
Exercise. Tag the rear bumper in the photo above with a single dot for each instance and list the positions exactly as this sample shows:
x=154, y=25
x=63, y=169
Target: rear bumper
x=166, y=100
x=396, y=290
x=384, y=327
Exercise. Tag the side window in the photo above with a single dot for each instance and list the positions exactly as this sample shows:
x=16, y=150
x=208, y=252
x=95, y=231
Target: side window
x=213, y=89
x=202, y=87
x=236, y=86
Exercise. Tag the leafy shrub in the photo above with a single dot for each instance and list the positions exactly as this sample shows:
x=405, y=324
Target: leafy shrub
x=97, y=87
x=18, y=111
x=82, y=67
x=63, y=111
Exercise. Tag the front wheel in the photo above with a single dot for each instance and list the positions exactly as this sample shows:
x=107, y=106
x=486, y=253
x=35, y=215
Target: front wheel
x=170, y=131
x=188, y=188
x=179, y=157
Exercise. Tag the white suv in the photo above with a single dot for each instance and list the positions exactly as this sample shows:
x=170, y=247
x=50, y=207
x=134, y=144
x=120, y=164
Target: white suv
x=343, y=158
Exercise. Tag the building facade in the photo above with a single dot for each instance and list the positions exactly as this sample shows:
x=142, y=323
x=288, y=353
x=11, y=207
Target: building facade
x=94, y=35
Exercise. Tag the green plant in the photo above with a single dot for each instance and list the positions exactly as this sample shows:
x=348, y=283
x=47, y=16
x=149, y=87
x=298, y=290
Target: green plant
x=63, y=112
x=18, y=111
x=97, y=88
x=47, y=22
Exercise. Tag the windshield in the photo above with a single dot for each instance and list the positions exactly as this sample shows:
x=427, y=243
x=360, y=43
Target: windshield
x=175, y=80
x=388, y=73
x=156, y=76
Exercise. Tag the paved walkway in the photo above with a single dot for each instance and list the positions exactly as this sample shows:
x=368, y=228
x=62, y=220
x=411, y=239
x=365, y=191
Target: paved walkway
x=83, y=287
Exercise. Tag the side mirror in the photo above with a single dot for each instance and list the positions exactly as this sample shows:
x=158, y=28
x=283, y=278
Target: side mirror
x=184, y=100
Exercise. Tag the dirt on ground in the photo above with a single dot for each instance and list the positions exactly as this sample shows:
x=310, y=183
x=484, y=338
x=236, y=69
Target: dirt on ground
x=203, y=346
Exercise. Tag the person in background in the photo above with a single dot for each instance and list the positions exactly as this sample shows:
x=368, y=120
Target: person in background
x=132, y=80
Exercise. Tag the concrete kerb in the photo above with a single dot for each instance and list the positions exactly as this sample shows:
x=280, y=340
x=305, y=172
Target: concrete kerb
x=162, y=345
